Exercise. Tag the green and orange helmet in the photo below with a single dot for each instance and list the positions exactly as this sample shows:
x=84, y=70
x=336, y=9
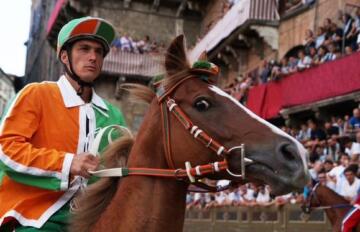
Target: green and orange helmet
x=91, y=28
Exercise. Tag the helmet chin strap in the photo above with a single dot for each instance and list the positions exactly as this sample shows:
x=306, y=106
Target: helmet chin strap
x=71, y=73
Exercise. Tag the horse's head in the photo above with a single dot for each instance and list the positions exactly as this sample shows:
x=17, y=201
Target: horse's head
x=277, y=158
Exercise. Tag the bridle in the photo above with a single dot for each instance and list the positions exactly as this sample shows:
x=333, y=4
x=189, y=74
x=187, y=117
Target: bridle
x=308, y=206
x=193, y=175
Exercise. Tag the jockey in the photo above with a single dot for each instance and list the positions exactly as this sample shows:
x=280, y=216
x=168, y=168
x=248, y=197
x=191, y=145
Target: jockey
x=46, y=133
x=352, y=218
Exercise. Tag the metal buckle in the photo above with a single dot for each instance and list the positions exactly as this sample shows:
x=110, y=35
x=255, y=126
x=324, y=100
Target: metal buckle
x=243, y=161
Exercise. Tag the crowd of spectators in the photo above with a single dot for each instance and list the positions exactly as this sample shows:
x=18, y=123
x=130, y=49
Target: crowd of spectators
x=245, y=195
x=126, y=43
x=329, y=43
x=334, y=158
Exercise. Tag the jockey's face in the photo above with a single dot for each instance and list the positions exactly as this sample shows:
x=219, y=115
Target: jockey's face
x=87, y=58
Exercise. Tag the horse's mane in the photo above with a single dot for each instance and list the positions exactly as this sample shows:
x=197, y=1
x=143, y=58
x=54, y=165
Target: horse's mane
x=88, y=205
x=90, y=202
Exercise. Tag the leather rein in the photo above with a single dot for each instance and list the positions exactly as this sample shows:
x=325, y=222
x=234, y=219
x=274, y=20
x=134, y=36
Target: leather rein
x=192, y=175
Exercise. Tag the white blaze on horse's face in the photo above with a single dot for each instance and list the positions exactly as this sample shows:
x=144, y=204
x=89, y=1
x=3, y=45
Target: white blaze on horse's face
x=302, y=151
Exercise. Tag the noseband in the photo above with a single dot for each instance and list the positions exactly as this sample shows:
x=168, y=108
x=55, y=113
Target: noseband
x=193, y=175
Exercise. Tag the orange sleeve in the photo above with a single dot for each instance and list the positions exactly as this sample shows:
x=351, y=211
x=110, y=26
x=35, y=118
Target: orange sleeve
x=19, y=157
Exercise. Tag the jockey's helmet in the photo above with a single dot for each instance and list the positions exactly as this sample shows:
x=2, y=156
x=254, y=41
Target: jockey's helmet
x=89, y=28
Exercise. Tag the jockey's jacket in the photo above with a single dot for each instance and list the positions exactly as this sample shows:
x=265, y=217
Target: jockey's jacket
x=43, y=129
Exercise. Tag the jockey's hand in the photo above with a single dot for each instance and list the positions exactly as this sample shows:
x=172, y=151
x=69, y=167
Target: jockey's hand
x=83, y=163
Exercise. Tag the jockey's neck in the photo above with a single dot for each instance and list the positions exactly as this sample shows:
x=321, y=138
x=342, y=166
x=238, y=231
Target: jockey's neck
x=86, y=94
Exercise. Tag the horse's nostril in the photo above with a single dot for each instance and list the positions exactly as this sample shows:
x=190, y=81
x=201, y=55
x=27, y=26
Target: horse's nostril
x=287, y=151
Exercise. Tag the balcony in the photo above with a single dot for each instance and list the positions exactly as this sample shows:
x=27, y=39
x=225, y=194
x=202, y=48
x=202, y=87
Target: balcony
x=242, y=14
x=133, y=64
x=334, y=81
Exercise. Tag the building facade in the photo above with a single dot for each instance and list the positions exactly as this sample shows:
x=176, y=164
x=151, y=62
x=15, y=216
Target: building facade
x=7, y=90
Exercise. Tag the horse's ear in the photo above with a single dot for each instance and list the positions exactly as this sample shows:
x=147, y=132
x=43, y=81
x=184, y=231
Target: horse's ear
x=175, y=59
x=203, y=56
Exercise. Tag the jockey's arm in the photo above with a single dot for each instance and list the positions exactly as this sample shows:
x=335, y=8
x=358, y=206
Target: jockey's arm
x=22, y=161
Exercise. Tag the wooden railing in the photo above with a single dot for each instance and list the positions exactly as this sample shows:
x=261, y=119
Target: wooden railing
x=252, y=219
x=133, y=64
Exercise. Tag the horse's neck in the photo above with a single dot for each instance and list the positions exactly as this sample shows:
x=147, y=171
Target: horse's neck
x=327, y=197
x=146, y=203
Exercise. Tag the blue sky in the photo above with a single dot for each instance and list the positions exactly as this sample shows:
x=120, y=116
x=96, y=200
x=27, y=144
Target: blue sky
x=15, y=25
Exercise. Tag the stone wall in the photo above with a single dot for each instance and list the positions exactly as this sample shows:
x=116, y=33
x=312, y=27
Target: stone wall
x=212, y=13
x=140, y=20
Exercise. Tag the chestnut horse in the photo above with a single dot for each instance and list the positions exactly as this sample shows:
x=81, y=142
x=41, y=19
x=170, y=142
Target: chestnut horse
x=335, y=206
x=152, y=196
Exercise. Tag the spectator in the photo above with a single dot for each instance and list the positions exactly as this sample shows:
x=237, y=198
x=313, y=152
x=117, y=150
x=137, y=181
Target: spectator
x=316, y=132
x=284, y=66
x=275, y=71
x=126, y=45
x=357, y=26
x=353, y=148
x=328, y=165
x=313, y=54
x=341, y=125
x=336, y=34
x=303, y=134
x=283, y=199
x=314, y=169
x=189, y=199
x=263, y=196
x=320, y=55
x=309, y=40
x=246, y=195
x=144, y=45
x=292, y=64
x=265, y=72
x=351, y=185
x=154, y=47
x=323, y=180
x=231, y=197
x=116, y=44
x=348, y=29
x=327, y=26
x=336, y=175
x=330, y=129
x=320, y=37
x=348, y=50
x=304, y=61
x=330, y=55
x=347, y=127
x=134, y=45
x=354, y=122
x=220, y=198
x=357, y=19
x=244, y=88
x=332, y=148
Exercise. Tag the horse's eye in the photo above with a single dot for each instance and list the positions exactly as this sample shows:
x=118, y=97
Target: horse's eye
x=202, y=105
